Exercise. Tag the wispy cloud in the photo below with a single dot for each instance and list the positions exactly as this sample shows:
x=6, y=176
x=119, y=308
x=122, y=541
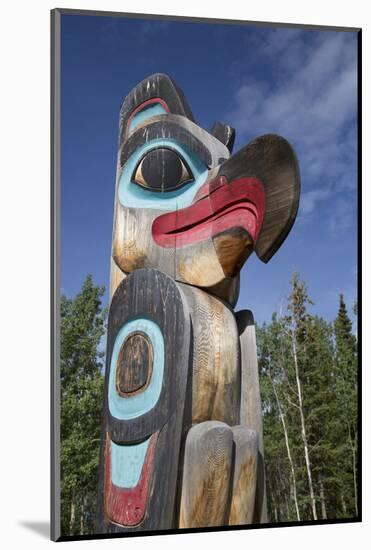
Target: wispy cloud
x=309, y=98
x=310, y=199
x=342, y=216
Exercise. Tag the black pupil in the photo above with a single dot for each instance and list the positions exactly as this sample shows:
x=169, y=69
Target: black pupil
x=162, y=169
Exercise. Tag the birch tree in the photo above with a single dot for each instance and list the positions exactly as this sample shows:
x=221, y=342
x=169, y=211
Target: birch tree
x=308, y=374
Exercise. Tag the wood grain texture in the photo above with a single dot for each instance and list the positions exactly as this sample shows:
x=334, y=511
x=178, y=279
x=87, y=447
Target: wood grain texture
x=187, y=215
x=224, y=133
x=179, y=129
x=251, y=415
x=272, y=159
x=233, y=247
x=152, y=295
x=135, y=364
x=127, y=506
x=244, y=476
x=231, y=213
x=116, y=276
x=216, y=369
x=228, y=290
x=158, y=85
x=116, y=273
x=207, y=470
x=133, y=248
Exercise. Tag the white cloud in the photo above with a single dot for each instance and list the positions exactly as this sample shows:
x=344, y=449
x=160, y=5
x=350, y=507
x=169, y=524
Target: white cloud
x=309, y=97
x=309, y=200
x=342, y=216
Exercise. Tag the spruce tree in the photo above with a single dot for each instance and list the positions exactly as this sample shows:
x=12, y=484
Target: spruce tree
x=345, y=364
x=308, y=386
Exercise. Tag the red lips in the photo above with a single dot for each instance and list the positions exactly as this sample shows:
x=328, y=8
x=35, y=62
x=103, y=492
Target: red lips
x=240, y=203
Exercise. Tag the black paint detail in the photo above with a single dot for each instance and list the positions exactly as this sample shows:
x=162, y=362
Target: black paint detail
x=224, y=133
x=165, y=129
x=162, y=169
x=151, y=294
x=272, y=160
x=155, y=86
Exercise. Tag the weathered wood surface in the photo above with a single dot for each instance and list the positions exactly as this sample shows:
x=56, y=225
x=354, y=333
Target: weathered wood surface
x=233, y=247
x=215, y=356
x=271, y=159
x=207, y=475
x=216, y=387
x=187, y=216
x=228, y=290
x=244, y=476
x=157, y=87
x=134, y=364
x=133, y=244
x=236, y=204
x=117, y=275
x=150, y=298
x=251, y=414
x=218, y=476
x=224, y=133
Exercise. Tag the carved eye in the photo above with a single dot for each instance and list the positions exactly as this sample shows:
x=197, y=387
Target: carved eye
x=162, y=169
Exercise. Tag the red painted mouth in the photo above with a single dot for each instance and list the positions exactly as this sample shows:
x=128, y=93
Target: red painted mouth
x=240, y=203
x=127, y=506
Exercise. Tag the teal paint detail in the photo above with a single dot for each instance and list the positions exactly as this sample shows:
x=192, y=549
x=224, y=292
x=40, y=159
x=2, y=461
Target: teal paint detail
x=127, y=463
x=132, y=195
x=125, y=408
x=143, y=115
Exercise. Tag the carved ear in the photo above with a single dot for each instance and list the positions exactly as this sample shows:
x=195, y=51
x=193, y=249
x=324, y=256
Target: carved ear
x=224, y=133
x=155, y=95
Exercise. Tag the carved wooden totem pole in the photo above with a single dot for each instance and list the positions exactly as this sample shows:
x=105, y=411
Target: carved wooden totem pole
x=182, y=431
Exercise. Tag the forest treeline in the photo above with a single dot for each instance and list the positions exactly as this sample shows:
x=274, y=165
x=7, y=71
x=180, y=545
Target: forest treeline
x=308, y=377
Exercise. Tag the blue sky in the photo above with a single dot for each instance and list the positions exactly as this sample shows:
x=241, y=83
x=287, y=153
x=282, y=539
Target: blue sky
x=301, y=84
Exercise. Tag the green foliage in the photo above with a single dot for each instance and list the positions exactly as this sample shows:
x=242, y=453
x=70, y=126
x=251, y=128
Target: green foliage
x=345, y=366
x=82, y=327
x=308, y=382
x=308, y=379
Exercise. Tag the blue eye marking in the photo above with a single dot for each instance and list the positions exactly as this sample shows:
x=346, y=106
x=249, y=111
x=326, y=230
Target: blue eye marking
x=132, y=195
x=125, y=408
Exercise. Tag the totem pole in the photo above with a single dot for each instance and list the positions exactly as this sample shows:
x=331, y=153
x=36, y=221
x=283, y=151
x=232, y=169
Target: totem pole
x=182, y=442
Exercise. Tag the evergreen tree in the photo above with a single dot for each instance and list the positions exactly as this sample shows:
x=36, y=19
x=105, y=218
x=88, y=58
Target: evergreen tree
x=308, y=379
x=346, y=391
x=308, y=387
x=82, y=327
x=320, y=411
